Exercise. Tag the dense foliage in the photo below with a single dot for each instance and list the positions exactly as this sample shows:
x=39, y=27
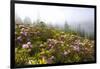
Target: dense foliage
x=41, y=44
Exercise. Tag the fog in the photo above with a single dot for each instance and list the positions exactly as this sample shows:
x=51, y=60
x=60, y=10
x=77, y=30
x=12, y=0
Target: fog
x=57, y=15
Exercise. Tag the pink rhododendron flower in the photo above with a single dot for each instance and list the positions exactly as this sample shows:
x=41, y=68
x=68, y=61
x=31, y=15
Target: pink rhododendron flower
x=29, y=43
x=25, y=46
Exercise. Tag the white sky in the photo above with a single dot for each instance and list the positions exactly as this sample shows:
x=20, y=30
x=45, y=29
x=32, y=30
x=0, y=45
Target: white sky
x=54, y=14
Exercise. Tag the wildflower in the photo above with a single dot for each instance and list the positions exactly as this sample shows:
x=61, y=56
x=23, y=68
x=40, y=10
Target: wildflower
x=77, y=42
x=82, y=44
x=55, y=41
x=29, y=43
x=30, y=46
x=86, y=49
x=49, y=40
x=65, y=53
x=72, y=35
x=44, y=43
x=24, y=33
x=62, y=32
x=19, y=39
x=21, y=26
x=41, y=45
x=21, y=32
x=92, y=42
x=43, y=60
x=68, y=51
x=50, y=45
x=61, y=42
x=26, y=30
x=16, y=33
x=30, y=62
x=91, y=46
x=23, y=29
x=76, y=48
x=52, y=57
x=25, y=46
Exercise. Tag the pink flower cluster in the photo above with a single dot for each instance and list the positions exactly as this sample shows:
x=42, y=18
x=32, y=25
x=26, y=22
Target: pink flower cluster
x=28, y=45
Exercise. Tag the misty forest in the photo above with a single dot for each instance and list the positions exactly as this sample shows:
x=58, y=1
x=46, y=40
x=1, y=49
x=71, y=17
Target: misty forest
x=39, y=42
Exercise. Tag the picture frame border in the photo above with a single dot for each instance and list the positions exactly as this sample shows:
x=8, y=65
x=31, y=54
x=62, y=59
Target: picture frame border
x=12, y=30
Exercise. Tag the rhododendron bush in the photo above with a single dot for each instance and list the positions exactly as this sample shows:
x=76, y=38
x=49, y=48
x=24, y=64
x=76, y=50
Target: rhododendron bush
x=41, y=44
